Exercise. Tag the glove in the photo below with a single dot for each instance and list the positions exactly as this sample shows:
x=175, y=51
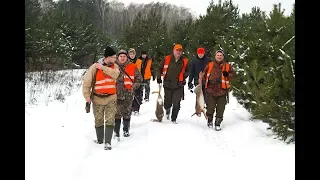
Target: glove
x=190, y=85
x=159, y=81
x=182, y=83
x=225, y=73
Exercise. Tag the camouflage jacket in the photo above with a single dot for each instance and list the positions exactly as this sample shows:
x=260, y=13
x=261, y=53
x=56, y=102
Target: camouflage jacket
x=214, y=82
x=122, y=92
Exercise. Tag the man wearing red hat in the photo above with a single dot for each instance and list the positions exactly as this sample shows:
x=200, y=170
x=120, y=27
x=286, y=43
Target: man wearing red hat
x=174, y=70
x=198, y=64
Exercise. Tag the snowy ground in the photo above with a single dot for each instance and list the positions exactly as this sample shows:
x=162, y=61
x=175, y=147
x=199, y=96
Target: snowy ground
x=59, y=144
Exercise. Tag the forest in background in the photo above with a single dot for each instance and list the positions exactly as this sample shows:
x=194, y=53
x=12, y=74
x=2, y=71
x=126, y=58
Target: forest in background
x=260, y=45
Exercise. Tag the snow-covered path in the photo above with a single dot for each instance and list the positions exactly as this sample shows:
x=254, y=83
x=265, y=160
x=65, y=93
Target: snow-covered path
x=59, y=145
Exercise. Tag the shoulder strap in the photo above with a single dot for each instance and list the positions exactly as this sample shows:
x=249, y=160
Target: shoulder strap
x=93, y=84
x=123, y=71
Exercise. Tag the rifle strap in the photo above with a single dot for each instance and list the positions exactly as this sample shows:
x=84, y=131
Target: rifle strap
x=93, y=83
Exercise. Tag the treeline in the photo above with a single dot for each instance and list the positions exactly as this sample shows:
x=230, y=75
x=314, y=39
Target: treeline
x=260, y=45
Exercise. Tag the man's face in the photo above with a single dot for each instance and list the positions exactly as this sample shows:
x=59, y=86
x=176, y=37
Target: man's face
x=177, y=53
x=144, y=56
x=132, y=55
x=219, y=56
x=200, y=55
x=122, y=58
x=110, y=59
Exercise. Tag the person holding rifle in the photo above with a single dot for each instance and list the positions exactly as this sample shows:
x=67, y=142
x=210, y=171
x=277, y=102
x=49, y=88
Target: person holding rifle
x=99, y=87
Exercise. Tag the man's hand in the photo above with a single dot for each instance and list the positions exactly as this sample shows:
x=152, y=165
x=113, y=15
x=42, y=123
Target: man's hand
x=225, y=73
x=182, y=83
x=98, y=65
x=88, y=99
x=190, y=85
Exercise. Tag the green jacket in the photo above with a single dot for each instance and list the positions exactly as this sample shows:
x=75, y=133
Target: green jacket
x=171, y=80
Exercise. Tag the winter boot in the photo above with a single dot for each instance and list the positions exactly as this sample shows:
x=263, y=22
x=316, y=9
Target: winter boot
x=168, y=113
x=174, y=114
x=99, y=132
x=217, y=123
x=117, y=129
x=210, y=120
x=126, y=127
x=108, y=136
x=136, y=113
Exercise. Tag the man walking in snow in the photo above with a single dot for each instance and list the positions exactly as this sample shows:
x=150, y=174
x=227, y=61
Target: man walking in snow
x=174, y=69
x=138, y=92
x=128, y=81
x=199, y=62
x=144, y=64
x=217, y=76
x=99, y=87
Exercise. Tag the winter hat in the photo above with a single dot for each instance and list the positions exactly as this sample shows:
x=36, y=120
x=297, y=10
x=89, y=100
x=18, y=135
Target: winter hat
x=122, y=51
x=177, y=46
x=220, y=51
x=200, y=51
x=143, y=52
x=109, y=52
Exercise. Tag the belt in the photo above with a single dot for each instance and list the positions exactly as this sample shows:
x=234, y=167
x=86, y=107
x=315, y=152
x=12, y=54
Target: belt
x=102, y=95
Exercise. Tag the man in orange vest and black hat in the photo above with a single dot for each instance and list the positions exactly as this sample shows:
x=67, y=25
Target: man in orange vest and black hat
x=174, y=69
x=99, y=86
x=217, y=76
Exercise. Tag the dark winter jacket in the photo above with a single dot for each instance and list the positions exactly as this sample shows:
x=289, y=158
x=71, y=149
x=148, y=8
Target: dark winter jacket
x=197, y=65
x=133, y=60
x=172, y=77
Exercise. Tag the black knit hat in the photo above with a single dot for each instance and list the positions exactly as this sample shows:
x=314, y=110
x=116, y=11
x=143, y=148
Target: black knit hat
x=109, y=52
x=143, y=52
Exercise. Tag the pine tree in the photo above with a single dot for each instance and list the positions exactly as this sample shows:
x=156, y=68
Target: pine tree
x=265, y=83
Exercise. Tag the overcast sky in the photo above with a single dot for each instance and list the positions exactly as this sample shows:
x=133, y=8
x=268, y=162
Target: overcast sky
x=200, y=6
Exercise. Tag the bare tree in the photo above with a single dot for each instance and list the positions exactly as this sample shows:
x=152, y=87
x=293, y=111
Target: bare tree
x=101, y=9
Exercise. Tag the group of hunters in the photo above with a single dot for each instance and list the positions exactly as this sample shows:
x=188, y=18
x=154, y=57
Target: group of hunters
x=116, y=83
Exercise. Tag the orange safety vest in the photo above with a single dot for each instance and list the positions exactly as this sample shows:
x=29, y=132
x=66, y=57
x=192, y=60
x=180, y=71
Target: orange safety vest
x=147, y=72
x=104, y=83
x=130, y=68
x=224, y=80
x=166, y=65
